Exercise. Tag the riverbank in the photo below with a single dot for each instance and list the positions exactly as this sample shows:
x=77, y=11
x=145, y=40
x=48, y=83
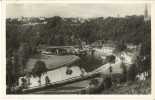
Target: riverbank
x=52, y=62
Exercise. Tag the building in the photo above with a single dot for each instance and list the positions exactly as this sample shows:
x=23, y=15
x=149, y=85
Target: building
x=127, y=57
x=146, y=16
x=108, y=46
x=108, y=49
x=42, y=18
x=142, y=76
x=85, y=47
x=131, y=46
x=131, y=55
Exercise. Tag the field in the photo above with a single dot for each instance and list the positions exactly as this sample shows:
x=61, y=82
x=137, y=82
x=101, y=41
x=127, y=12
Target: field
x=51, y=61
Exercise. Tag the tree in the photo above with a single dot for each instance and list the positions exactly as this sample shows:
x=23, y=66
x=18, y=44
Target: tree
x=28, y=76
x=110, y=59
x=120, y=46
x=144, y=64
x=16, y=66
x=69, y=71
x=94, y=82
x=23, y=53
x=9, y=77
x=47, y=80
x=39, y=70
x=107, y=82
x=24, y=84
x=124, y=72
x=131, y=74
x=12, y=73
x=34, y=50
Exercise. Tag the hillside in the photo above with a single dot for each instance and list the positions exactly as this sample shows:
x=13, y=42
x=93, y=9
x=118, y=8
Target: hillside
x=129, y=29
x=138, y=87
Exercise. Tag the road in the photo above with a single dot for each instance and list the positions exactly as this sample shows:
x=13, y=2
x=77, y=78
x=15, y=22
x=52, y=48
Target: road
x=105, y=67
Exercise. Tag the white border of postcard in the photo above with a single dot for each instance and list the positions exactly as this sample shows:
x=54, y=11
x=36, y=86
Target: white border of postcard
x=3, y=82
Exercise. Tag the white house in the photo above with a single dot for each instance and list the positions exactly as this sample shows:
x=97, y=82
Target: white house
x=142, y=76
x=45, y=22
x=127, y=57
x=45, y=52
x=41, y=18
x=131, y=46
x=108, y=49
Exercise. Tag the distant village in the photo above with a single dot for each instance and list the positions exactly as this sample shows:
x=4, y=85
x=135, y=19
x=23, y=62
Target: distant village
x=25, y=21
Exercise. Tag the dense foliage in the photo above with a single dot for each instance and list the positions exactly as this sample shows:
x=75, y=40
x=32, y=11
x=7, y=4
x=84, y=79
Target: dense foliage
x=23, y=53
x=85, y=61
x=130, y=29
x=138, y=87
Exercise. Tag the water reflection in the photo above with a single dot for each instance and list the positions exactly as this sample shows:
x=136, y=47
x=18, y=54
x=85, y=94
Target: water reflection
x=89, y=63
x=84, y=65
x=54, y=75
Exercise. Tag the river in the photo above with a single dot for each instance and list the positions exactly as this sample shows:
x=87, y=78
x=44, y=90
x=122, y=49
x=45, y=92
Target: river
x=84, y=65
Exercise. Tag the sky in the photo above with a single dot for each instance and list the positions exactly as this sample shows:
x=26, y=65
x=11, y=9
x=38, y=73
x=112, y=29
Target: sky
x=75, y=10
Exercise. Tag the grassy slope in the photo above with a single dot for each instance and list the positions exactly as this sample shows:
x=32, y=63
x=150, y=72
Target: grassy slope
x=138, y=87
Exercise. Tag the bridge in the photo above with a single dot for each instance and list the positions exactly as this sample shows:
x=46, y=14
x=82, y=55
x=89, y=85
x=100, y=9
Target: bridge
x=62, y=82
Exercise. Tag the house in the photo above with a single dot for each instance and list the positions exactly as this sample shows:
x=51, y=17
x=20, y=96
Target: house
x=19, y=19
x=85, y=47
x=108, y=49
x=131, y=46
x=128, y=57
x=108, y=46
x=142, y=76
x=45, y=51
x=41, y=18
x=45, y=22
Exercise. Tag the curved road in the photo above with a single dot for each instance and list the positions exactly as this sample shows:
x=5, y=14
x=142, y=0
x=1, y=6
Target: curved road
x=105, y=67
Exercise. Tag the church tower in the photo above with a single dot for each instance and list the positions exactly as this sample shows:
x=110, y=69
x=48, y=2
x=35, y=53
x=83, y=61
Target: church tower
x=146, y=17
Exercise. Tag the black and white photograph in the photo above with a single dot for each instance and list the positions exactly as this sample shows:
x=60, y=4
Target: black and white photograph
x=78, y=49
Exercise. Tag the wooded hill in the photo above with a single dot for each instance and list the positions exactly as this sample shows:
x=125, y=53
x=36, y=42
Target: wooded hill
x=129, y=29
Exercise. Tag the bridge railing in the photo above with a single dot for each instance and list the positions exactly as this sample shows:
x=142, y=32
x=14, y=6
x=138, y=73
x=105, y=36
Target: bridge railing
x=67, y=80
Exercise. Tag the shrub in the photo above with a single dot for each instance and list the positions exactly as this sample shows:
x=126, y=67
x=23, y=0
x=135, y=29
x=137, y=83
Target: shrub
x=124, y=72
x=131, y=75
x=107, y=82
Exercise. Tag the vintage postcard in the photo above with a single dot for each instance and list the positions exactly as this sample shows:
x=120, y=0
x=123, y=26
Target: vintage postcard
x=71, y=49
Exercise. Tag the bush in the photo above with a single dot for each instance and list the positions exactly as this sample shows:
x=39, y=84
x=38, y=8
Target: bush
x=107, y=82
x=124, y=73
x=131, y=75
x=116, y=78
